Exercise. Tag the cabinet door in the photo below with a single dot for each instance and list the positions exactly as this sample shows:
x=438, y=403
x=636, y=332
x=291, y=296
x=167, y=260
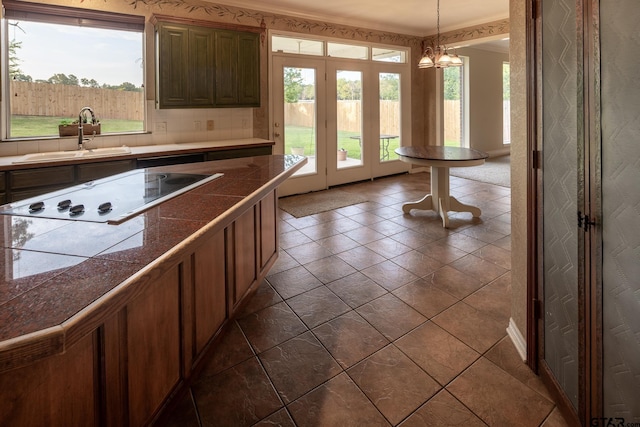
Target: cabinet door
x=210, y=303
x=173, y=66
x=153, y=346
x=90, y=171
x=249, y=70
x=201, y=67
x=226, y=68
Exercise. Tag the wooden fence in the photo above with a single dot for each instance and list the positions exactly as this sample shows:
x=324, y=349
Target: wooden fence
x=57, y=100
x=349, y=117
x=451, y=120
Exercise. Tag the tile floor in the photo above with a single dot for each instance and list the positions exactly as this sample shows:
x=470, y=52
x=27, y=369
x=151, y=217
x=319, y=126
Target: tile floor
x=375, y=318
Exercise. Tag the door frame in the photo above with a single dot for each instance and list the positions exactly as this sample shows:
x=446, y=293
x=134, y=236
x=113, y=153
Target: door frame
x=327, y=159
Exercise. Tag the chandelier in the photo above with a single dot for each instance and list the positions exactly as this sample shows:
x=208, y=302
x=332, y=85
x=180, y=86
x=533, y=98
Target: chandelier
x=437, y=56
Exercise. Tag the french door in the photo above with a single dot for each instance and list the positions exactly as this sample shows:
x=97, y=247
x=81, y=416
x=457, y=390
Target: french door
x=344, y=116
x=298, y=119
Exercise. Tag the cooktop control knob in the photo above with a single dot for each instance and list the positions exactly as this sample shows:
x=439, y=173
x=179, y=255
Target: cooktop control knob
x=77, y=209
x=104, y=207
x=35, y=207
x=64, y=204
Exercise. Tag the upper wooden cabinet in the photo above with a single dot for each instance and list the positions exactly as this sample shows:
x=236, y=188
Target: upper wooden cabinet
x=207, y=67
x=237, y=69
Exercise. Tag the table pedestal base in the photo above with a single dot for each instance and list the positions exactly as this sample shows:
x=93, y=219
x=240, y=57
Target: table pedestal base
x=439, y=200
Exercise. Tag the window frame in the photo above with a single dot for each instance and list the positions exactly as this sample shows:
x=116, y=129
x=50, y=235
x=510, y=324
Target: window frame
x=61, y=15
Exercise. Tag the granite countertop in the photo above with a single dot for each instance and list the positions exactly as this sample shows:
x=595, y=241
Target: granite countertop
x=6, y=162
x=54, y=271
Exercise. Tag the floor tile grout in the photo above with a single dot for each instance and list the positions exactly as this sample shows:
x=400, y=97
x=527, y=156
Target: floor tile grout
x=426, y=226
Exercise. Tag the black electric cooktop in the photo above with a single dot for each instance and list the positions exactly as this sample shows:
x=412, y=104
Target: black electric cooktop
x=113, y=199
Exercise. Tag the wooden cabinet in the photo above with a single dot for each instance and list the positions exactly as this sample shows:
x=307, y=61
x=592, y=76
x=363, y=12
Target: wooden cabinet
x=234, y=153
x=199, y=66
x=241, y=253
x=140, y=349
x=185, y=64
x=209, y=291
x=59, y=390
x=3, y=186
x=173, y=78
x=90, y=171
x=237, y=69
x=27, y=183
x=153, y=347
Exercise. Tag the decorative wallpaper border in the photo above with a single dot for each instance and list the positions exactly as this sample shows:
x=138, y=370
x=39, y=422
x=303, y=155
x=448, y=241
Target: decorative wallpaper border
x=230, y=14
x=470, y=33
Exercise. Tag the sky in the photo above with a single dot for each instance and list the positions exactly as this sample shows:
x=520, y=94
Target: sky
x=107, y=56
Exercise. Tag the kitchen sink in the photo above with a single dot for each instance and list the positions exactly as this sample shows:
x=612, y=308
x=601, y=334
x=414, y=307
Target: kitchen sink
x=66, y=155
x=108, y=151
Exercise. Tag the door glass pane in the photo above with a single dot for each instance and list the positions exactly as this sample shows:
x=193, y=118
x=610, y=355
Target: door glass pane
x=349, y=118
x=389, y=91
x=300, y=120
x=453, y=106
x=560, y=192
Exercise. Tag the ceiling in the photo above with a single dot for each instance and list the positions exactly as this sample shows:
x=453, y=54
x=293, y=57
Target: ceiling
x=411, y=17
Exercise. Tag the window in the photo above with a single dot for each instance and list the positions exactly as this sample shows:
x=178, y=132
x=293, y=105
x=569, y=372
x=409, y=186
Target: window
x=63, y=59
x=301, y=46
x=297, y=45
x=455, y=105
x=389, y=55
x=506, y=104
x=340, y=50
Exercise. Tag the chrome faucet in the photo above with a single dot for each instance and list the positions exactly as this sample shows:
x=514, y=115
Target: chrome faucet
x=80, y=119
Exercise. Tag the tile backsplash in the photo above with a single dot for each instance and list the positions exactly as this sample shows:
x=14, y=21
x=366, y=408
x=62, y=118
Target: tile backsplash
x=163, y=127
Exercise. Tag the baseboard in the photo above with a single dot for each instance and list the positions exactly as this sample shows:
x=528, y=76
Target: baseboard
x=499, y=152
x=518, y=340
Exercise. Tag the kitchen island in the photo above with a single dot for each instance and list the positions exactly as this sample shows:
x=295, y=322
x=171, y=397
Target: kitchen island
x=101, y=324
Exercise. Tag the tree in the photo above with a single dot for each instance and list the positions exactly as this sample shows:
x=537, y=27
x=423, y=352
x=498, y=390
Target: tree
x=292, y=84
x=389, y=87
x=506, y=77
x=19, y=77
x=63, y=79
x=15, y=72
x=126, y=86
x=349, y=89
x=452, y=83
x=308, y=92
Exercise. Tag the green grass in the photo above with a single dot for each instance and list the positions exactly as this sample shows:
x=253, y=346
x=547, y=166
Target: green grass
x=298, y=136
x=34, y=126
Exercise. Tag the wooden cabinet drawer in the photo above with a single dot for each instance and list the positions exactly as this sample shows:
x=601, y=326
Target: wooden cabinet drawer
x=90, y=171
x=238, y=152
x=41, y=177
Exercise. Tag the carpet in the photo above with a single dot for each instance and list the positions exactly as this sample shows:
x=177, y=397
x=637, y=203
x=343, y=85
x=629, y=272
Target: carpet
x=496, y=170
x=319, y=201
